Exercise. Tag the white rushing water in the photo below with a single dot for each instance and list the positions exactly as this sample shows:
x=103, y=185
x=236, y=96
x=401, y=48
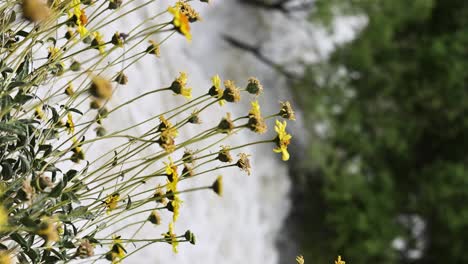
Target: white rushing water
x=242, y=226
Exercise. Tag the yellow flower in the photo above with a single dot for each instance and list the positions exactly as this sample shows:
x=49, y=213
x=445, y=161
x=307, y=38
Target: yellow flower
x=176, y=207
x=172, y=175
x=179, y=86
x=70, y=125
x=5, y=257
x=117, y=251
x=255, y=110
x=300, y=259
x=112, y=201
x=48, y=230
x=98, y=42
x=171, y=237
x=54, y=53
x=79, y=17
x=69, y=90
x=38, y=112
x=216, y=89
x=3, y=219
x=282, y=140
x=101, y=88
x=339, y=261
x=180, y=22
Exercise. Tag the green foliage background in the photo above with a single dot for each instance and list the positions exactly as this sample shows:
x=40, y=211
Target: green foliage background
x=394, y=104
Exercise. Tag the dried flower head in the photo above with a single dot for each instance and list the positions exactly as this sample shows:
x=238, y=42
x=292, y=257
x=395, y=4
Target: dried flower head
x=217, y=186
x=216, y=90
x=282, y=140
x=114, y=4
x=118, y=39
x=159, y=196
x=166, y=139
x=224, y=155
x=155, y=217
x=121, y=78
x=187, y=171
x=226, y=125
x=85, y=249
x=188, y=156
x=181, y=22
x=287, y=111
x=254, y=86
x=190, y=237
x=194, y=118
x=36, y=10
x=179, y=86
x=231, y=93
x=95, y=104
x=101, y=88
x=154, y=48
x=27, y=192
x=244, y=163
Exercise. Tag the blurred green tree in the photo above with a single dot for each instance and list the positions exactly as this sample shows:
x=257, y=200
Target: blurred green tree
x=390, y=111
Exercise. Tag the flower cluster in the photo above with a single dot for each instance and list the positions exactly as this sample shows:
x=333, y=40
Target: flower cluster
x=61, y=195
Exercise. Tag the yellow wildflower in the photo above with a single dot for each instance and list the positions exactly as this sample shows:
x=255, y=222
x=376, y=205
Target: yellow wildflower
x=69, y=90
x=172, y=175
x=231, y=92
x=171, y=237
x=287, y=111
x=179, y=86
x=70, y=124
x=5, y=257
x=181, y=22
x=3, y=219
x=282, y=140
x=98, y=42
x=112, y=201
x=79, y=17
x=300, y=259
x=256, y=122
x=175, y=204
x=216, y=90
x=117, y=251
x=188, y=11
x=154, y=48
x=38, y=112
x=54, y=53
x=339, y=261
x=48, y=230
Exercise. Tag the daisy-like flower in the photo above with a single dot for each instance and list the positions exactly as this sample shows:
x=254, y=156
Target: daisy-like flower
x=3, y=219
x=216, y=90
x=171, y=237
x=79, y=17
x=70, y=124
x=48, y=230
x=179, y=86
x=154, y=48
x=112, y=201
x=98, y=42
x=232, y=92
x=282, y=140
x=117, y=251
x=256, y=122
x=300, y=259
x=339, y=261
x=181, y=22
x=174, y=207
x=172, y=175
